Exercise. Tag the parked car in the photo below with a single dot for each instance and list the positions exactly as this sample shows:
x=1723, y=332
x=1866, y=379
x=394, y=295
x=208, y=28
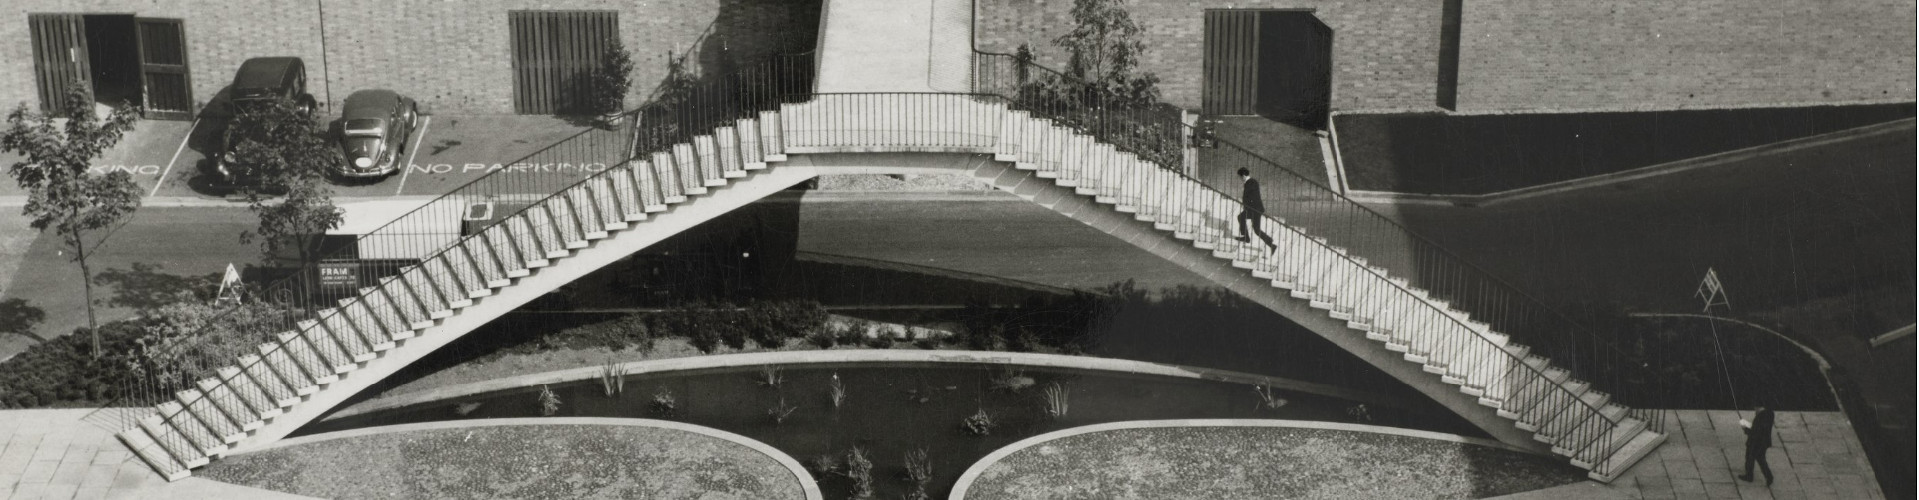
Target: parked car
x=259, y=81
x=376, y=128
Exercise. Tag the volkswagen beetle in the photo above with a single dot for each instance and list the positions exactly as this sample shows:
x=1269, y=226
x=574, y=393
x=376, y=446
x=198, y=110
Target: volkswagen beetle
x=376, y=126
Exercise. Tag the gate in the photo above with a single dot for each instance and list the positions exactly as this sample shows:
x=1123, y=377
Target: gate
x=164, y=80
x=59, y=56
x=1231, y=63
x=553, y=52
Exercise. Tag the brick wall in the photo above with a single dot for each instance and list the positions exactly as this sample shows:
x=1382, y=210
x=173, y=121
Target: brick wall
x=1582, y=54
x=1384, y=52
x=454, y=57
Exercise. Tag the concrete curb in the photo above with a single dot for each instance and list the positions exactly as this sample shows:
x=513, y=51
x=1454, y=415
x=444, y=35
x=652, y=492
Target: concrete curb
x=972, y=473
x=857, y=356
x=808, y=486
x=1905, y=126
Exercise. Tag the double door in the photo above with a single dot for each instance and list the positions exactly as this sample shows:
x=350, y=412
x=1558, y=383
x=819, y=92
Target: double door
x=63, y=53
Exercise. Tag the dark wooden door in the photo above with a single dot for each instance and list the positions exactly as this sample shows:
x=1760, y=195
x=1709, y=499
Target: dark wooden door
x=553, y=52
x=59, y=56
x=1295, y=68
x=164, y=80
x=1231, y=62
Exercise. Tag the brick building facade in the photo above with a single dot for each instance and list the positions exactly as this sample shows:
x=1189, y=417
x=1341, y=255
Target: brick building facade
x=453, y=56
x=1511, y=56
x=1545, y=55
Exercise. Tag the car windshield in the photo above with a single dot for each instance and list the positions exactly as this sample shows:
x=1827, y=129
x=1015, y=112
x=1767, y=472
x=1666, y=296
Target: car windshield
x=365, y=127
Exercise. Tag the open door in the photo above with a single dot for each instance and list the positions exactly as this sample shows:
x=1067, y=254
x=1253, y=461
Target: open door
x=59, y=56
x=165, y=84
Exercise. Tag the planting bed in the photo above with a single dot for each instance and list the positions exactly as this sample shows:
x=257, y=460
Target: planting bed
x=1262, y=462
x=558, y=462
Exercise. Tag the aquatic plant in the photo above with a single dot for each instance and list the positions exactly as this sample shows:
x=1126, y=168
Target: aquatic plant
x=780, y=411
x=613, y=378
x=1268, y=399
x=464, y=408
x=770, y=376
x=1011, y=381
x=1055, y=400
x=836, y=391
x=664, y=403
x=1359, y=413
x=549, y=402
x=919, y=468
x=860, y=470
x=980, y=424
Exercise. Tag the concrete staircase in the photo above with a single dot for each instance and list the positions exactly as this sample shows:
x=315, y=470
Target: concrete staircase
x=344, y=349
x=1486, y=374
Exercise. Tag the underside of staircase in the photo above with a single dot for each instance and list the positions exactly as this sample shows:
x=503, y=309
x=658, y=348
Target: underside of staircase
x=1466, y=365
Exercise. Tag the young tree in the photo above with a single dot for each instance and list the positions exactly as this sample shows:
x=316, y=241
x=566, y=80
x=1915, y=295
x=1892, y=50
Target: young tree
x=61, y=193
x=284, y=150
x=1103, y=49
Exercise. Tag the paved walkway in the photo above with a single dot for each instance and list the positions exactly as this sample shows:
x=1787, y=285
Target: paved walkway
x=52, y=454
x=896, y=46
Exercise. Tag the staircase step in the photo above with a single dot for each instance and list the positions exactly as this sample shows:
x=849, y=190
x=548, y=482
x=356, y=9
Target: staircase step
x=525, y=242
x=687, y=166
x=457, y=295
x=282, y=393
x=498, y=241
x=772, y=136
x=227, y=403
x=667, y=178
x=371, y=331
x=177, y=444
x=475, y=251
x=606, y=200
x=546, y=232
x=632, y=204
x=585, y=206
x=291, y=369
x=218, y=422
x=749, y=134
x=332, y=359
x=423, y=289
x=195, y=432
x=465, y=273
x=153, y=454
x=708, y=153
x=566, y=222
x=335, y=325
x=254, y=394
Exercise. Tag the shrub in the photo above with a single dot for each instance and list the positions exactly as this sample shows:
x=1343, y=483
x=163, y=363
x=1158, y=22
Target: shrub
x=853, y=331
x=928, y=342
x=63, y=372
x=880, y=340
x=822, y=339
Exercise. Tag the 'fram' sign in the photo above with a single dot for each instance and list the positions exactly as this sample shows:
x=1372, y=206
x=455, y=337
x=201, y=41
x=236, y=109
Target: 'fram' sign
x=340, y=274
x=509, y=168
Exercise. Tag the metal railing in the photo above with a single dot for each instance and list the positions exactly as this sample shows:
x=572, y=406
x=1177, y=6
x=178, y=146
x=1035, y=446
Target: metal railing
x=1137, y=169
x=440, y=233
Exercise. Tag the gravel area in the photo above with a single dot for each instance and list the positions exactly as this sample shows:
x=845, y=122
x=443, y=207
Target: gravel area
x=1261, y=463
x=557, y=462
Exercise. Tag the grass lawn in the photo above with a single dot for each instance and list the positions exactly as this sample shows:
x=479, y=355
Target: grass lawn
x=1477, y=154
x=558, y=461
x=1263, y=462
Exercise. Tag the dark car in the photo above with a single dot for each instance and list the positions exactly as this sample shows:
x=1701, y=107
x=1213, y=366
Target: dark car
x=375, y=128
x=260, y=80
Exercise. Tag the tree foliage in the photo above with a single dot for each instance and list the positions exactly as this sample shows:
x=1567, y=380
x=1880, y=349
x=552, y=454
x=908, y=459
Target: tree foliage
x=62, y=194
x=285, y=151
x=1100, y=92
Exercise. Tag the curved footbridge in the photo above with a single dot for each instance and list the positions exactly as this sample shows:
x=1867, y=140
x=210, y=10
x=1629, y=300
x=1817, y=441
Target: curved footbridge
x=882, y=105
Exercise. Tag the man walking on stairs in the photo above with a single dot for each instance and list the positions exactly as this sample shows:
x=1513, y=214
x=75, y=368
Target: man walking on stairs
x=1758, y=439
x=1252, y=208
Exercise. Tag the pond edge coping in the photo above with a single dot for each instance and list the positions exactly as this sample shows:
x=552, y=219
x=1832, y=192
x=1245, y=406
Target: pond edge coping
x=965, y=481
x=856, y=356
x=808, y=486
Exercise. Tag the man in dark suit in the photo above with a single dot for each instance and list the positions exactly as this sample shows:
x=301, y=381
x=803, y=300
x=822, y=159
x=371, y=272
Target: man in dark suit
x=1253, y=208
x=1758, y=439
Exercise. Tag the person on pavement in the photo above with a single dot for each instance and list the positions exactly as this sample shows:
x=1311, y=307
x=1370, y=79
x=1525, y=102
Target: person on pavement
x=1758, y=439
